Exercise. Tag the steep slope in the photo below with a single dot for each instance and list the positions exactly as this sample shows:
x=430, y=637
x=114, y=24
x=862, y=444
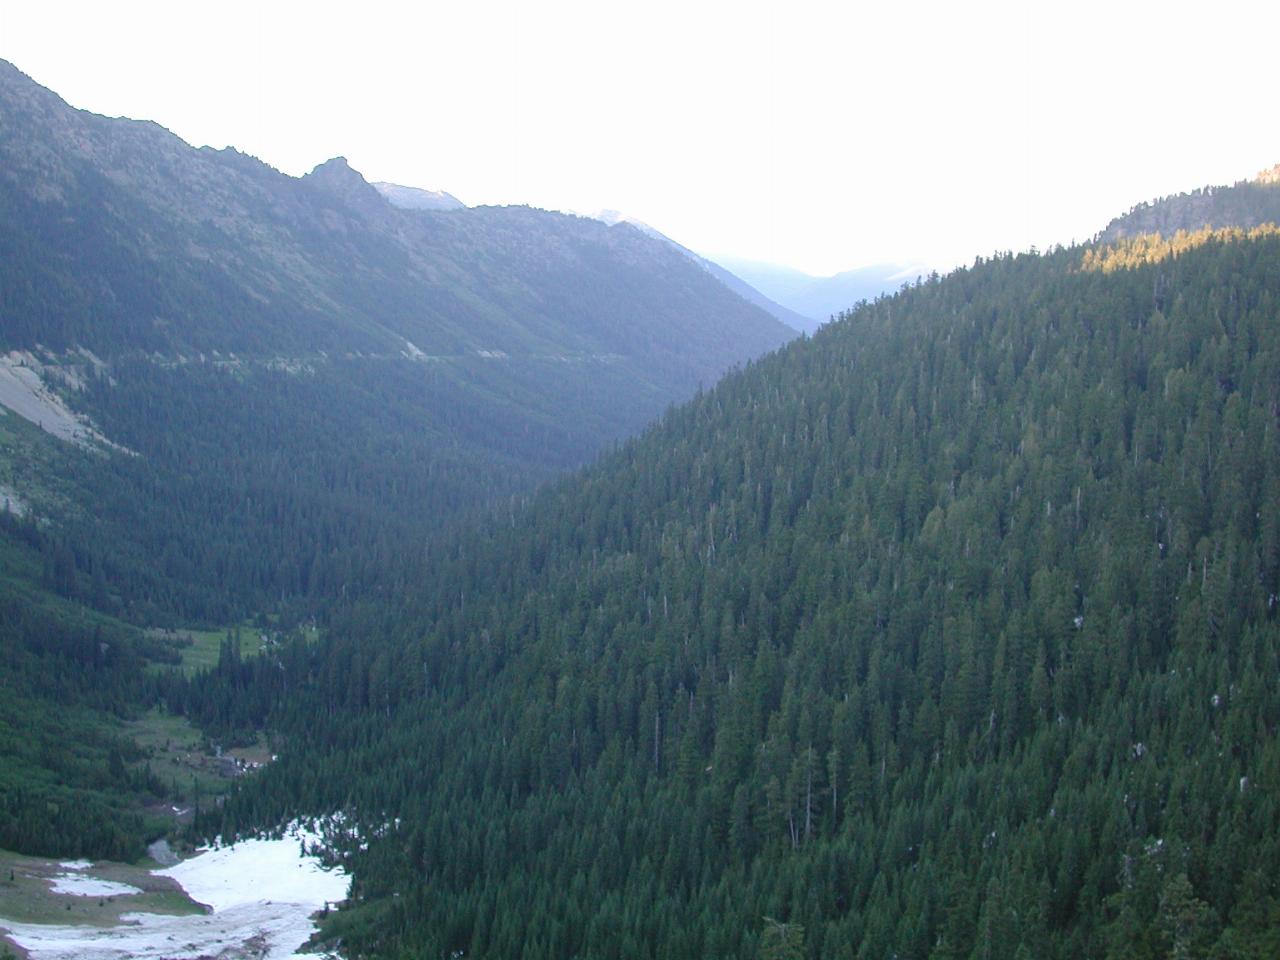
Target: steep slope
x=1246, y=204
x=226, y=393
x=791, y=318
x=71, y=781
x=307, y=373
x=739, y=286
x=944, y=633
x=123, y=237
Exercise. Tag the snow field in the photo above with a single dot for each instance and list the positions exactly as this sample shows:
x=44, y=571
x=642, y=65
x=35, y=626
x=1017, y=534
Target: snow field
x=82, y=886
x=261, y=892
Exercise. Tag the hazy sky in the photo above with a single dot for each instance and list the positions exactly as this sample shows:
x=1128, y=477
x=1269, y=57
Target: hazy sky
x=819, y=135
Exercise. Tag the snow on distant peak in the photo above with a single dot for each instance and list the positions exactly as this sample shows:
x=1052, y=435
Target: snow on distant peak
x=417, y=198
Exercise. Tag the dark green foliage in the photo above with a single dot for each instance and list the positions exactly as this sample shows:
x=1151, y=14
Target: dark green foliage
x=307, y=383
x=311, y=379
x=259, y=487
x=68, y=783
x=948, y=633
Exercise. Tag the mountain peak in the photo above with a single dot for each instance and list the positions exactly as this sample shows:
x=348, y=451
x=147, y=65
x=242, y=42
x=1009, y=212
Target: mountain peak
x=339, y=179
x=335, y=166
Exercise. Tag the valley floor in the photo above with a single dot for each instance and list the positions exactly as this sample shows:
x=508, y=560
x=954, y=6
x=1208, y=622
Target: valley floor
x=260, y=895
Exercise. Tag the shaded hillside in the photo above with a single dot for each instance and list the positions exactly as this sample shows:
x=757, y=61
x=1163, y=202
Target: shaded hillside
x=749, y=293
x=258, y=396
x=735, y=283
x=949, y=632
x=1246, y=204
x=309, y=375
x=123, y=238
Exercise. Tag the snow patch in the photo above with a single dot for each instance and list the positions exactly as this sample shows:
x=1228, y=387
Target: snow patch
x=248, y=931
x=75, y=864
x=262, y=894
x=255, y=870
x=77, y=884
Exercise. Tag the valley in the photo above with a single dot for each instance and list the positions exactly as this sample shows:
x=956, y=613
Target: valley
x=409, y=579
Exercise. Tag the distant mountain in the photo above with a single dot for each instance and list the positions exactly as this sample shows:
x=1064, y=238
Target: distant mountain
x=729, y=279
x=820, y=298
x=1246, y=204
x=415, y=198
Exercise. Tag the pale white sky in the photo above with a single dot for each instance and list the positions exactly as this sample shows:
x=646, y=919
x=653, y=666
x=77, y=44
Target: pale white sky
x=822, y=135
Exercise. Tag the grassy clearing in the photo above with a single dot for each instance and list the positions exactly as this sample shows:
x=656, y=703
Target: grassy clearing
x=26, y=897
x=200, y=649
x=178, y=756
x=175, y=751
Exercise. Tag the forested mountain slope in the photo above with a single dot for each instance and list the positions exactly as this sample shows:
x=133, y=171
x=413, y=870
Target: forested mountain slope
x=949, y=632
x=67, y=775
x=298, y=383
x=310, y=377
x=1248, y=203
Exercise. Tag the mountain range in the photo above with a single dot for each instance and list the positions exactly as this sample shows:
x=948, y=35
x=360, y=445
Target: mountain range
x=189, y=304
x=138, y=238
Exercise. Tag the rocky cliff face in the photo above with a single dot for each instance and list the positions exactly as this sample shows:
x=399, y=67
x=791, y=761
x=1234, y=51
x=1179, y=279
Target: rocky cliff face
x=1249, y=203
